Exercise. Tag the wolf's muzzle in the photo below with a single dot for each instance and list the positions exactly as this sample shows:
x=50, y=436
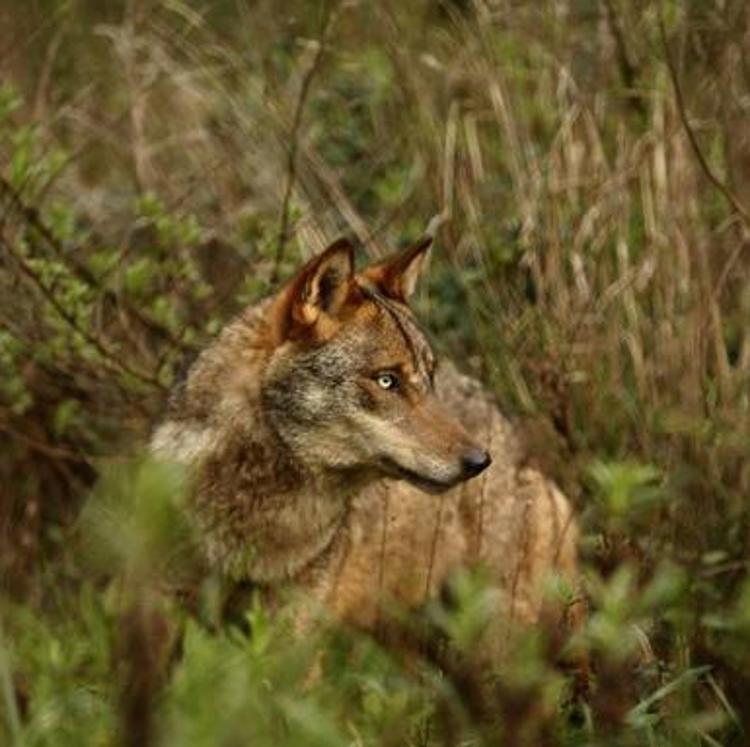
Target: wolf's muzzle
x=473, y=462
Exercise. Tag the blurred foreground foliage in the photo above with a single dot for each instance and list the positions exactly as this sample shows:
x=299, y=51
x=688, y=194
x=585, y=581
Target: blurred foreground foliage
x=587, y=164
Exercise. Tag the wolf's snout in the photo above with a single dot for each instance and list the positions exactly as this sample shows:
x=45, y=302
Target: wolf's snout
x=474, y=461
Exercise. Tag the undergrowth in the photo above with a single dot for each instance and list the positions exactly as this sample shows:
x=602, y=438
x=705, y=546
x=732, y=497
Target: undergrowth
x=585, y=168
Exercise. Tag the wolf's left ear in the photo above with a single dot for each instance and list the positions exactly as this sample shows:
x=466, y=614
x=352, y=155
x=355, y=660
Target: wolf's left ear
x=320, y=289
x=397, y=276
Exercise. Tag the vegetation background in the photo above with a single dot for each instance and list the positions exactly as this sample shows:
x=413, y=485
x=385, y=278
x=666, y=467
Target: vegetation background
x=586, y=165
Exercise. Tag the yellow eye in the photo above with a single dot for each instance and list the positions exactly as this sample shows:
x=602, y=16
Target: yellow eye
x=387, y=380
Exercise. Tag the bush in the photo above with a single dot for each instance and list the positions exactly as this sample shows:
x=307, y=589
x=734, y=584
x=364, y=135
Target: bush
x=586, y=163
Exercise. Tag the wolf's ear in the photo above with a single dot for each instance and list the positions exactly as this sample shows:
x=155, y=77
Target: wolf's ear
x=320, y=289
x=397, y=276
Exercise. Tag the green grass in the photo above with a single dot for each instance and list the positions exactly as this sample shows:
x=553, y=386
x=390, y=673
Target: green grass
x=163, y=164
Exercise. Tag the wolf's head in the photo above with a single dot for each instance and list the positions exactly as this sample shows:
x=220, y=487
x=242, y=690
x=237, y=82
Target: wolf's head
x=349, y=384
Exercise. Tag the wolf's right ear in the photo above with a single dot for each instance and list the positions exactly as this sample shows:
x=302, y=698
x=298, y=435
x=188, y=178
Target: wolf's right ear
x=319, y=290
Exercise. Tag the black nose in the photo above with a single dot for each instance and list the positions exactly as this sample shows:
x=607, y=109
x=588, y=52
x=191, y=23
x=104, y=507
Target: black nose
x=475, y=461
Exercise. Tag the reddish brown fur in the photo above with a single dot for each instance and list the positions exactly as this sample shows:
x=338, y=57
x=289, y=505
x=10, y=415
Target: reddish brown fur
x=293, y=438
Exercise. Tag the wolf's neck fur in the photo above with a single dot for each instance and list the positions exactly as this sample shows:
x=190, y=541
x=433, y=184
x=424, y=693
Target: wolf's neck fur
x=260, y=515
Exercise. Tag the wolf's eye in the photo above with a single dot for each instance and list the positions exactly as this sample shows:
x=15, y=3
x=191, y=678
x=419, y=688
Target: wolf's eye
x=387, y=380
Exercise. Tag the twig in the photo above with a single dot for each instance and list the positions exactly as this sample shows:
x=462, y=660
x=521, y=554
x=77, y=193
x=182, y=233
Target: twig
x=45, y=75
x=291, y=172
x=70, y=320
x=682, y=111
x=33, y=219
x=628, y=70
x=54, y=452
x=328, y=179
x=31, y=216
x=727, y=269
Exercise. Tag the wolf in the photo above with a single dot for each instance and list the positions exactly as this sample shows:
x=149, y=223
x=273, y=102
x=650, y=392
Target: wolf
x=327, y=448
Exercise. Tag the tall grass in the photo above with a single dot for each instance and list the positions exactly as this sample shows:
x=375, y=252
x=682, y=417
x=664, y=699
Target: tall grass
x=585, y=167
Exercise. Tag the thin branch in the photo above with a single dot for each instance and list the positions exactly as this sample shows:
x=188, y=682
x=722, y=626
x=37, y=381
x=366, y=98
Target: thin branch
x=693, y=140
x=727, y=269
x=54, y=452
x=628, y=70
x=299, y=109
x=31, y=216
x=108, y=356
